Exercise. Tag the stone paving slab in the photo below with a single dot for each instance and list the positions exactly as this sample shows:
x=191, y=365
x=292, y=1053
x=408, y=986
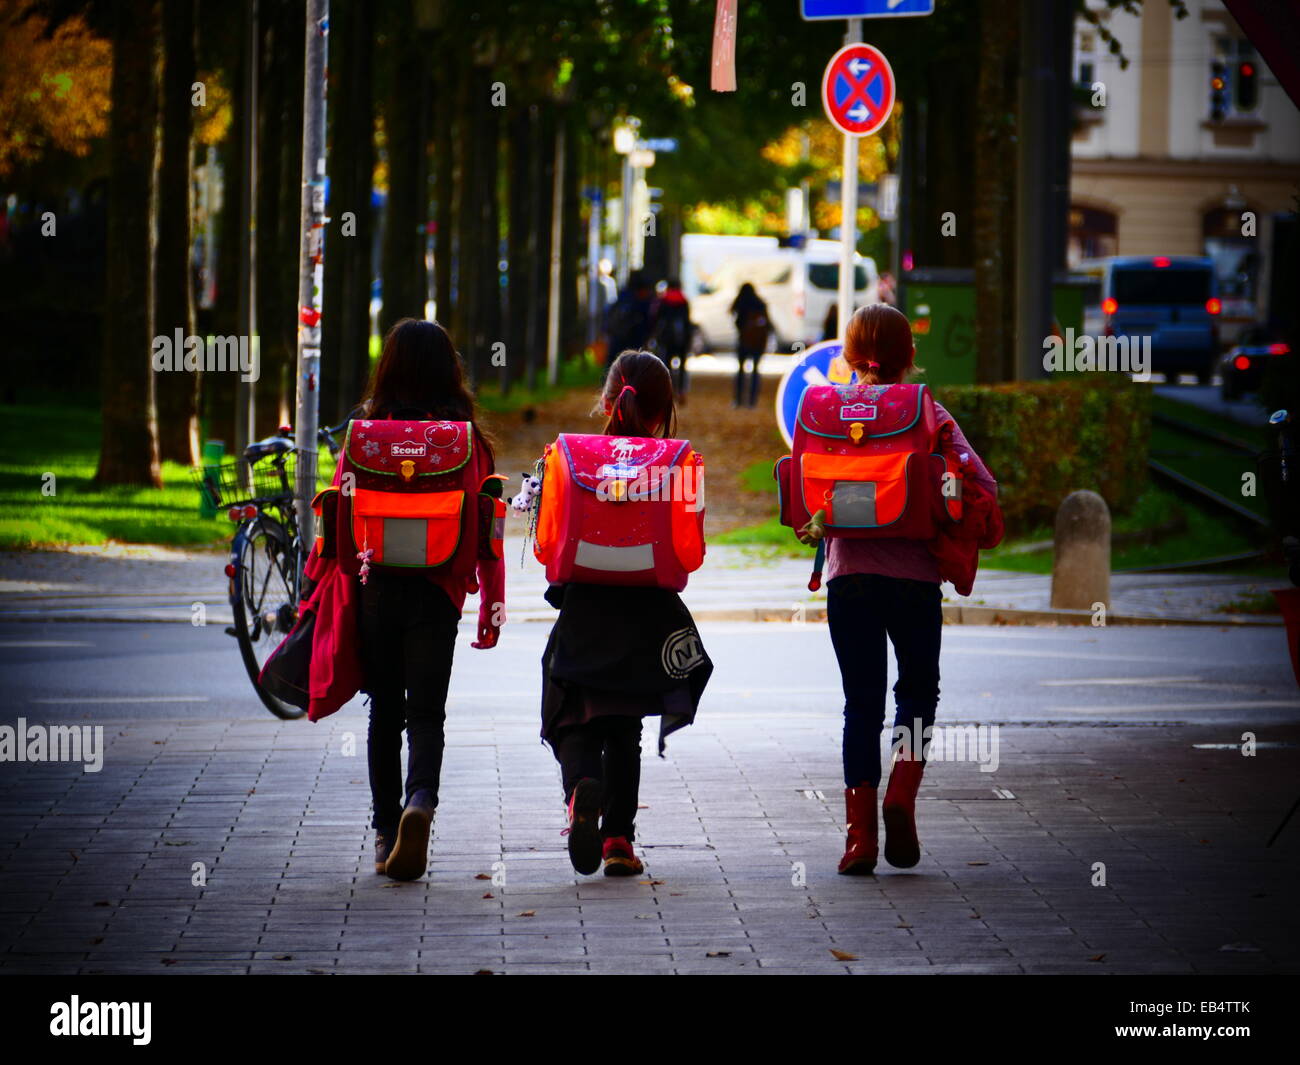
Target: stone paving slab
x=740, y=834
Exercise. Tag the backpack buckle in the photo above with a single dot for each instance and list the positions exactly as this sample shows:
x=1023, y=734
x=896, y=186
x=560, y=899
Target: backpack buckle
x=856, y=431
x=407, y=469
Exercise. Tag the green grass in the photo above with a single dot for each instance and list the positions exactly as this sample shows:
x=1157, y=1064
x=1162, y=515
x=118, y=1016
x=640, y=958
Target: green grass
x=64, y=441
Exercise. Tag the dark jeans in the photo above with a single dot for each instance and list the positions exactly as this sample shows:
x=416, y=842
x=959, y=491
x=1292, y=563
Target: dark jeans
x=744, y=356
x=607, y=749
x=408, y=636
x=862, y=609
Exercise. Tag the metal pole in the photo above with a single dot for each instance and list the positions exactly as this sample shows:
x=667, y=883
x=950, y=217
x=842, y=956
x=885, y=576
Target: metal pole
x=311, y=259
x=848, y=207
x=245, y=392
x=625, y=237
x=1034, y=266
x=593, y=269
x=557, y=237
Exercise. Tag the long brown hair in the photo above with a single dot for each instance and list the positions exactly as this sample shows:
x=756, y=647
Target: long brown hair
x=638, y=397
x=878, y=344
x=421, y=372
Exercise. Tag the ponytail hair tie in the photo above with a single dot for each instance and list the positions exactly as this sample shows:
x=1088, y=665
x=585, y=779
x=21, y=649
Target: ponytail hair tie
x=872, y=364
x=625, y=388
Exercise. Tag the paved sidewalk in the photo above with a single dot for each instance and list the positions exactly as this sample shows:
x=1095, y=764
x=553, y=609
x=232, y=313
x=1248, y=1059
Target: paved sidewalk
x=735, y=583
x=742, y=827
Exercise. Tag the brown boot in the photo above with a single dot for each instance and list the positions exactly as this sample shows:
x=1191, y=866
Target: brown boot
x=902, y=848
x=860, y=813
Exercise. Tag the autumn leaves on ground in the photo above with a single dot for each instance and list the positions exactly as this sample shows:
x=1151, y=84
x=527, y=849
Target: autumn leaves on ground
x=729, y=439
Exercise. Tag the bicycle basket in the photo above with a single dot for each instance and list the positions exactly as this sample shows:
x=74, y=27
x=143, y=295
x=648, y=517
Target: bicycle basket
x=234, y=483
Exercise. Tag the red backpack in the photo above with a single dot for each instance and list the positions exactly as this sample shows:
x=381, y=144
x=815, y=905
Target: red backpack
x=620, y=510
x=409, y=497
x=869, y=461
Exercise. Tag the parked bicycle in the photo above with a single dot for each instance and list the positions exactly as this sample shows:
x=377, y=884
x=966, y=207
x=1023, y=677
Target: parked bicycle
x=267, y=555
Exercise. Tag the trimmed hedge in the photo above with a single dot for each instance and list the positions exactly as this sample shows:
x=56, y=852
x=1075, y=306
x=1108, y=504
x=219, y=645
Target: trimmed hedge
x=1043, y=440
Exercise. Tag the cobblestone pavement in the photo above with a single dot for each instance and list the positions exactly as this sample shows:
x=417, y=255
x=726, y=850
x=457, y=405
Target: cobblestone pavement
x=742, y=827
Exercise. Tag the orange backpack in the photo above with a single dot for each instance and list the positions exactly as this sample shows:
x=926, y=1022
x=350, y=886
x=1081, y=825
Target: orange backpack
x=869, y=461
x=407, y=498
x=620, y=510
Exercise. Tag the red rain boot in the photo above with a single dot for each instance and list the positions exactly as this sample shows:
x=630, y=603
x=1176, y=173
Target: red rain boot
x=860, y=813
x=902, y=849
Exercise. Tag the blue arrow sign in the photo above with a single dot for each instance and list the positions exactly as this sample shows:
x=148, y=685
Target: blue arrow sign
x=820, y=9
x=659, y=144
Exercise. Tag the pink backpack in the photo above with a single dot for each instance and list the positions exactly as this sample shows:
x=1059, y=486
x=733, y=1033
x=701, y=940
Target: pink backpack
x=868, y=462
x=621, y=510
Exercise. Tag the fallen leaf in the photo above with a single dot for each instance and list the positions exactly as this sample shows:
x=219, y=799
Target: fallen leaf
x=484, y=972
x=968, y=863
x=482, y=876
x=178, y=842
x=645, y=805
x=529, y=913
x=488, y=895
x=74, y=856
x=902, y=924
x=718, y=954
x=284, y=957
x=843, y=955
x=1098, y=957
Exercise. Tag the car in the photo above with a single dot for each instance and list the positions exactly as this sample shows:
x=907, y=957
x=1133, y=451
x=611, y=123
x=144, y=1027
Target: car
x=799, y=286
x=1170, y=299
x=1242, y=368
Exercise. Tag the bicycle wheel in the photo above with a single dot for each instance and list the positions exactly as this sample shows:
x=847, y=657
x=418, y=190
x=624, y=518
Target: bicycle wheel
x=265, y=605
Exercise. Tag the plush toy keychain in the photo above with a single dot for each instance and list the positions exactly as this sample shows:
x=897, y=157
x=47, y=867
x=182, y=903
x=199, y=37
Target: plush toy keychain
x=530, y=486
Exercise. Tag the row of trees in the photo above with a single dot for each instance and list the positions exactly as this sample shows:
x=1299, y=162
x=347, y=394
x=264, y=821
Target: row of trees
x=462, y=115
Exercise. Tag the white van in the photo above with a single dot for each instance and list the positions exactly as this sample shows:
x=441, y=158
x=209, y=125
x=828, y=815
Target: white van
x=798, y=285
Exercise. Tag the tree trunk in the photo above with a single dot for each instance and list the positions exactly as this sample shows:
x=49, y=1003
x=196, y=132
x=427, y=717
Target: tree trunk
x=520, y=134
x=402, y=266
x=345, y=335
x=177, y=389
x=444, y=148
x=994, y=179
x=466, y=252
x=487, y=132
x=540, y=238
x=129, y=443
x=279, y=191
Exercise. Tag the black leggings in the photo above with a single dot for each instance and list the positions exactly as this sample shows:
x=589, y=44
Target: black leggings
x=744, y=356
x=408, y=636
x=607, y=749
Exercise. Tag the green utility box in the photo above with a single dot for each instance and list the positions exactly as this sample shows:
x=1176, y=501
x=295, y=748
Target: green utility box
x=941, y=306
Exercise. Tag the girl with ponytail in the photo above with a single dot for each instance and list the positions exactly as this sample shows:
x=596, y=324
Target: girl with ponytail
x=602, y=671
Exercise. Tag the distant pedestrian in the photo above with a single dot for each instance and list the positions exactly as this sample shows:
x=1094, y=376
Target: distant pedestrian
x=628, y=322
x=831, y=324
x=753, y=329
x=670, y=331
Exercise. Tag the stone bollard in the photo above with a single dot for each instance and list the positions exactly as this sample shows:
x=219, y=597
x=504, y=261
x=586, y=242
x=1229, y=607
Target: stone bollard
x=1081, y=562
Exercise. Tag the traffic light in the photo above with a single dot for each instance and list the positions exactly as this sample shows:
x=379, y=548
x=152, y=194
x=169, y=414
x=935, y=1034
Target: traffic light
x=1218, y=90
x=1247, y=87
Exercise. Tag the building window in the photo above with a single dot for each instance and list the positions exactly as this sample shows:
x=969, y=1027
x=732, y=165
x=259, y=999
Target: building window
x=1234, y=79
x=1093, y=234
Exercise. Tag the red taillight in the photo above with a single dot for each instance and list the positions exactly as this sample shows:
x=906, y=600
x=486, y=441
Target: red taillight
x=1109, y=305
x=230, y=569
x=1279, y=349
x=1213, y=305
x=1241, y=362
x=250, y=511
x=235, y=514
x=1161, y=261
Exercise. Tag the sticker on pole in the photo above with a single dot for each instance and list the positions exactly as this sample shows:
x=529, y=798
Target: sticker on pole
x=858, y=89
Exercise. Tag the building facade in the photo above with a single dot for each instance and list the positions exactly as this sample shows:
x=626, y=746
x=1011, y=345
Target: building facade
x=1193, y=148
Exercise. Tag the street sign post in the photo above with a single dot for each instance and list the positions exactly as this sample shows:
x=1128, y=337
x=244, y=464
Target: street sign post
x=858, y=89
x=812, y=10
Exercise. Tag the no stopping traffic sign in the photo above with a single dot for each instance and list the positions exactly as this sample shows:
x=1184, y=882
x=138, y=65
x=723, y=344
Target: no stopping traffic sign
x=858, y=89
